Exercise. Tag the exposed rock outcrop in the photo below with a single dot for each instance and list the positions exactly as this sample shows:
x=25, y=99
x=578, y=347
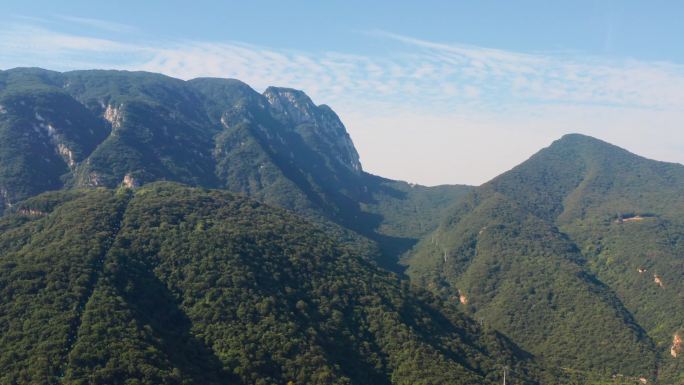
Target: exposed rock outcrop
x=93, y=180
x=57, y=140
x=130, y=182
x=66, y=154
x=114, y=116
x=294, y=107
x=32, y=212
x=676, y=348
x=462, y=298
x=658, y=280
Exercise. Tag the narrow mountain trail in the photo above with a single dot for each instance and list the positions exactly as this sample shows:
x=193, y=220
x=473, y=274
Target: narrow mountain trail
x=97, y=268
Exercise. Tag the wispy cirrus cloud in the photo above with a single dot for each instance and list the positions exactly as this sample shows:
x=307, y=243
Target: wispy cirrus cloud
x=104, y=25
x=554, y=77
x=413, y=96
x=36, y=42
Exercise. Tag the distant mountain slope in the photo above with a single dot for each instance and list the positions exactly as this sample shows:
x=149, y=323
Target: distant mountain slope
x=174, y=285
x=107, y=128
x=563, y=252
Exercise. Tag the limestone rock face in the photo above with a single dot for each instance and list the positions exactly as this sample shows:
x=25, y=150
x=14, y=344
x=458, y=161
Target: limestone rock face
x=295, y=108
x=114, y=116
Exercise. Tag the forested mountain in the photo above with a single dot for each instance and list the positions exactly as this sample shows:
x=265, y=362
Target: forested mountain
x=107, y=128
x=155, y=230
x=175, y=285
x=577, y=254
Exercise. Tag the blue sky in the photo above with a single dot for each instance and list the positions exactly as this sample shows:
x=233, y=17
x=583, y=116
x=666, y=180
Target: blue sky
x=431, y=91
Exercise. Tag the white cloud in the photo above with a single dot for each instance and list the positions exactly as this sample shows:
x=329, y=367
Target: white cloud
x=104, y=25
x=427, y=112
x=22, y=39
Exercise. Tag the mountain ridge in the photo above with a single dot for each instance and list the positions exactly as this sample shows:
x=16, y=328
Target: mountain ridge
x=206, y=132
x=576, y=254
x=603, y=217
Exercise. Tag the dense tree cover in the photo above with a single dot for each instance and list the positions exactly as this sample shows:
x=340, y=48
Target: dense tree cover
x=48, y=267
x=576, y=254
x=102, y=128
x=562, y=254
x=523, y=277
x=177, y=285
x=400, y=214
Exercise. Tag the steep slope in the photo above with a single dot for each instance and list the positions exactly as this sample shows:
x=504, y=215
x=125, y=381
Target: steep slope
x=170, y=285
x=97, y=128
x=571, y=241
x=158, y=131
x=625, y=213
x=291, y=144
x=44, y=135
x=106, y=128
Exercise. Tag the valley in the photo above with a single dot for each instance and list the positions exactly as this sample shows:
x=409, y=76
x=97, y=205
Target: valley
x=201, y=232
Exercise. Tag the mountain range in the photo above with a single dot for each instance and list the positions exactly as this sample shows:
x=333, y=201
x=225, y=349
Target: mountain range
x=156, y=230
x=107, y=128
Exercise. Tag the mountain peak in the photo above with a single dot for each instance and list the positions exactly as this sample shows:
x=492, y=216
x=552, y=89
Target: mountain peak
x=297, y=108
x=577, y=137
x=586, y=145
x=579, y=176
x=294, y=105
x=274, y=90
x=215, y=84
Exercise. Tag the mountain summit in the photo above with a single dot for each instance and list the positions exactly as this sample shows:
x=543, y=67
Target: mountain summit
x=568, y=253
x=105, y=126
x=296, y=108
